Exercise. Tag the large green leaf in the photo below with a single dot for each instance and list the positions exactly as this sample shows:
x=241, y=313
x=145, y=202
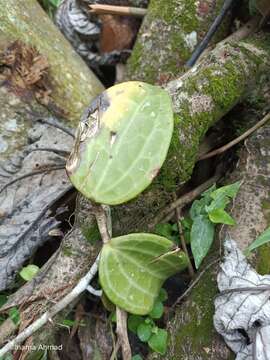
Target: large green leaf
x=201, y=237
x=133, y=267
x=122, y=142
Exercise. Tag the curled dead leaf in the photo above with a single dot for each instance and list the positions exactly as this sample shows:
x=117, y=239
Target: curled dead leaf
x=26, y=73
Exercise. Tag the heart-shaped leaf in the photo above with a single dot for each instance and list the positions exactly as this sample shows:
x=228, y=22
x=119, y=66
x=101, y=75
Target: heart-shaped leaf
x=133, y=267
x=121, y=142
x=158, y=341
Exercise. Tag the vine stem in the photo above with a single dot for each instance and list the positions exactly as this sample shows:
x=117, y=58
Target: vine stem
x=182, y=239
x=48, y=315
x=104, y=222
x=240, y=138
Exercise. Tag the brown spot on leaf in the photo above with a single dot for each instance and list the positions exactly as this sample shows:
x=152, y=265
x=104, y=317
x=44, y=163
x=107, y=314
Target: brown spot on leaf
x=25, y=72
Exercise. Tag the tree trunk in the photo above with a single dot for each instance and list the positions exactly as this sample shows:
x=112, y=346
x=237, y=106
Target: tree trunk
x=170, y=32
x=201, y=97
x=73, y=84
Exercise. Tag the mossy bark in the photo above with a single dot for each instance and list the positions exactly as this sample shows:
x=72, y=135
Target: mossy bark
x=73, y=84
x=169, y=34
x=192, y=335
x=200, y=97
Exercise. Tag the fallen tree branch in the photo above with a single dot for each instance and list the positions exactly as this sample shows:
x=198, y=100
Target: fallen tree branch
x=170, y=32
x=211, y=32
x=48, y=315
x=240, y=138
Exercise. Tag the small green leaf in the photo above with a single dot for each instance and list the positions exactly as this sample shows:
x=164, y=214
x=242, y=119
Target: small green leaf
x=132, y=269
x=14, y=315
x=228, y=190
x=197, y=208
x=164, y=230
x=218, y=204
x=122, y=144
x=187, y=223
x=150, y=321
x=144, y=332
x=202, y=236
x=220, y=216
x=221, y=197
x=163, y=295
x=158, y=341
x=136, y=357
x=207, y=193
x=112, y=317
x=167, y=230
x=55, y=2
x=68, y=322
x=134, y=321
x=264, y=238
x=157, y=310
x=29, y=272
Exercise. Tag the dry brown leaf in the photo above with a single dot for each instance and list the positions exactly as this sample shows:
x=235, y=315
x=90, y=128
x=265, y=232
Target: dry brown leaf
x=25, y=73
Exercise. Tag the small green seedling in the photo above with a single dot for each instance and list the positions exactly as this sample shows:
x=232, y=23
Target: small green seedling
x=147, y=330
x=29, y=272
x=205, y=214
x=14, y=315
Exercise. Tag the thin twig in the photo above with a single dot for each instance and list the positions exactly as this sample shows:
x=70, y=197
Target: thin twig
x=33, y=173
x=250, y=289
x=195, y=282
x=117, y=10
x=103, y=222
x=62, y=153
x=182, y=239
x=211, y=32
x=121, y=330
x=240, y=138
x=48, y=315
x=183, y=200
x=57, y=125
x=103, y=218
x=115, y=350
